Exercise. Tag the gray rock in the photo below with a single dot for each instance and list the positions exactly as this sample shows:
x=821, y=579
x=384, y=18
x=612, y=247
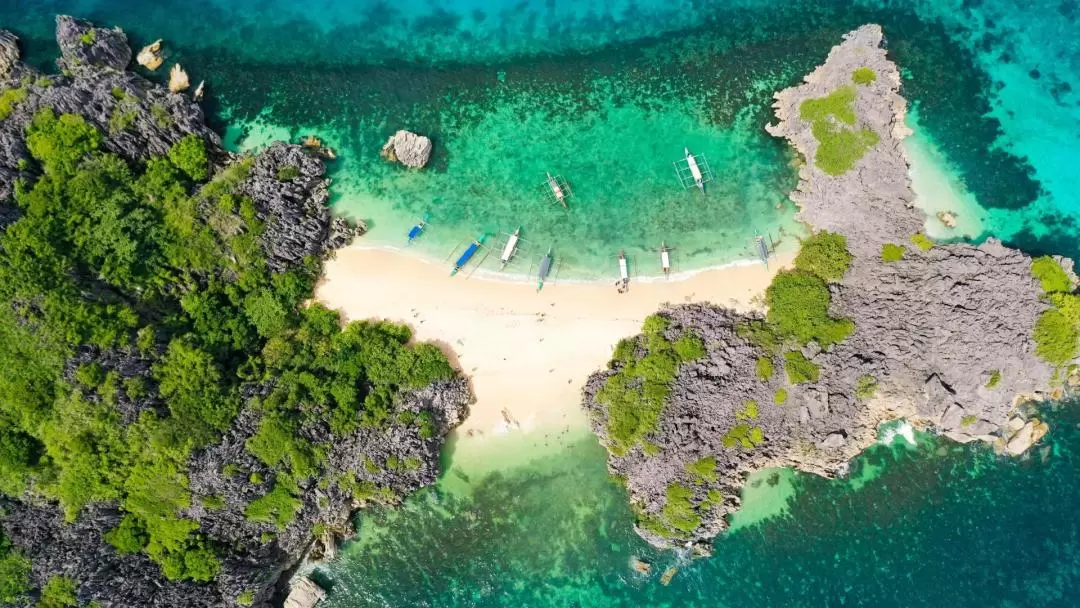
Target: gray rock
x=84, y=47
x=929, y=329
x=408, y=148
x=304, y=594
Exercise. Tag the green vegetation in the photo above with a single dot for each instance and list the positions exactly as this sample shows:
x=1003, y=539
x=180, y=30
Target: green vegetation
x=968, y=420
x=703, y=470
x=1056, y=337
x=922, y=241
x=799, y=309
x=800, y=369
x=634, y=396
x=744, y=436
x=59, y=592
x=831, y=120
x=89, y=37
x=863, y=75
x=161, y=116
x=1051, y=275
x=148, y=260
x=189, y=155
x=866, y=387
x=749, y=411
x=678, y=519
x=892, y=253
x=763, y=368
x=759, y=334
x=246, y=598
x=780, y=397
x=288, y=172
x=824, y=254
x=995, y=378
x=10, y=98
x=649, y=448
x=14, y=573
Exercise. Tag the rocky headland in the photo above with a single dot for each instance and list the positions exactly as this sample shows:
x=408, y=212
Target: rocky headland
x=223, y=481
x=942, y=335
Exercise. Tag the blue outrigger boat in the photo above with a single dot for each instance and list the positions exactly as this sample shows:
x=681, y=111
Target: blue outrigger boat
x=763, y=250
x=468, y=254
x=417, y=229
x=545, y=269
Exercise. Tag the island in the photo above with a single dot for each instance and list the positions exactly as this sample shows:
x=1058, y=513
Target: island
x=179, y=424
x=873, y=322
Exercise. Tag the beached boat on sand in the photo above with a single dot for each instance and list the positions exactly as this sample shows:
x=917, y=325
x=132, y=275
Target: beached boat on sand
x=509, y=249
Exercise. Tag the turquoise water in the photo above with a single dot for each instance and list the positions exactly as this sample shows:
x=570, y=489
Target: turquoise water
x=607, y=94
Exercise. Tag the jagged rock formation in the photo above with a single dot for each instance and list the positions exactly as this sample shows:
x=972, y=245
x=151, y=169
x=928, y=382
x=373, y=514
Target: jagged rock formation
x=407, y=148
x=291, y=205
x=178, y=79
x=150, y=56
x=930, y=329
x=305, y=594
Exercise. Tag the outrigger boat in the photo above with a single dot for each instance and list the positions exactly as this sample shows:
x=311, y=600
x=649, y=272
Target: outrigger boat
x=417, y=229
x=545, y=269
x=763, y=249
x=624, y=272
x=693, y=170
x=509, y=249
x=665, y=259
x=558, y=190
x=468, y=254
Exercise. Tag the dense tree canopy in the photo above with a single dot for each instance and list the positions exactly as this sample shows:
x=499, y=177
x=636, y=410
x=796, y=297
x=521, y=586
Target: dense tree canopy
x=151, y=264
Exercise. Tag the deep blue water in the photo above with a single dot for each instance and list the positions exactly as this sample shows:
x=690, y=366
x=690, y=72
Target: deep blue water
x=995, y=83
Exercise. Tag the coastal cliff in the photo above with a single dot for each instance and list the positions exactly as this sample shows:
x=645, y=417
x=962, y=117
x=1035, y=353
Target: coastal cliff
x=184, y=427
x=874, y=323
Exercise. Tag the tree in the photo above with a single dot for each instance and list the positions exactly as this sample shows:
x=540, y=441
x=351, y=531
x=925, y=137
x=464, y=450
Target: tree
x=189, y=155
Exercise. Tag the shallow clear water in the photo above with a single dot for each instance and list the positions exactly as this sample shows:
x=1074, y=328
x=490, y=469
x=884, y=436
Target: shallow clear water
x=607, y=94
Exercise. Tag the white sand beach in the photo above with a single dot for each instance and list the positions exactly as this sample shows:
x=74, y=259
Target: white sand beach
x=527, y=353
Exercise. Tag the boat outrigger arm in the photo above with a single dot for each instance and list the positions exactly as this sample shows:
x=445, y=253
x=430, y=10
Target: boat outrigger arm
x=468, y=254
x=510, y=248
x=545, y=270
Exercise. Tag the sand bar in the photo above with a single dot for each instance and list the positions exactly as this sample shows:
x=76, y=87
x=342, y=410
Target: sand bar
x=528, y=353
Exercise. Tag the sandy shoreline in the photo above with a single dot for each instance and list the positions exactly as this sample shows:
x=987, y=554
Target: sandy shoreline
x=528, y=354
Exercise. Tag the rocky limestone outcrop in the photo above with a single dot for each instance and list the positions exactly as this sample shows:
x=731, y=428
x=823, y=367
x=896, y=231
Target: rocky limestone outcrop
x=84, y=47
x=297, y=224
x=931, y=330
x=304, y=594
x=150, y=56
x=407, y=148
x=178, y=79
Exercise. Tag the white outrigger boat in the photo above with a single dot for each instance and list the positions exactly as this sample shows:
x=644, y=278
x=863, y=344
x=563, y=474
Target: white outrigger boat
x=510, y=248
x=558, y=190
x=693, y=170
x=665, y=259
x=624, y=269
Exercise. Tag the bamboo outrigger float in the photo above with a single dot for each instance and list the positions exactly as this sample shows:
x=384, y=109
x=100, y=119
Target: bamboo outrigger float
x=693, y=170
x=545, y=269
x=558, y=190
x=509, y=249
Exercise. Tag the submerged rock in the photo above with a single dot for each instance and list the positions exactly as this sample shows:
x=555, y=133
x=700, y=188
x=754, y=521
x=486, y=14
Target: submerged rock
x=9, y=52
x=407, y=148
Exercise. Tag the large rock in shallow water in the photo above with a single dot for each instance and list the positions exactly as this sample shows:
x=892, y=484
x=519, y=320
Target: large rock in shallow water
x=9, y=52
x=82, y=45
x=407, y=148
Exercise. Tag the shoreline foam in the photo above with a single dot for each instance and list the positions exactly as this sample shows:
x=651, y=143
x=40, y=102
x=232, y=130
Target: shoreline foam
x=527, y=353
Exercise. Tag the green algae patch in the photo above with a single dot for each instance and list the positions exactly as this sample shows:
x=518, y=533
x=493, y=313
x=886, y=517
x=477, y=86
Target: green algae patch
x=922, y=241
x=891, y=252
x=863, y=75
x=832, y=119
